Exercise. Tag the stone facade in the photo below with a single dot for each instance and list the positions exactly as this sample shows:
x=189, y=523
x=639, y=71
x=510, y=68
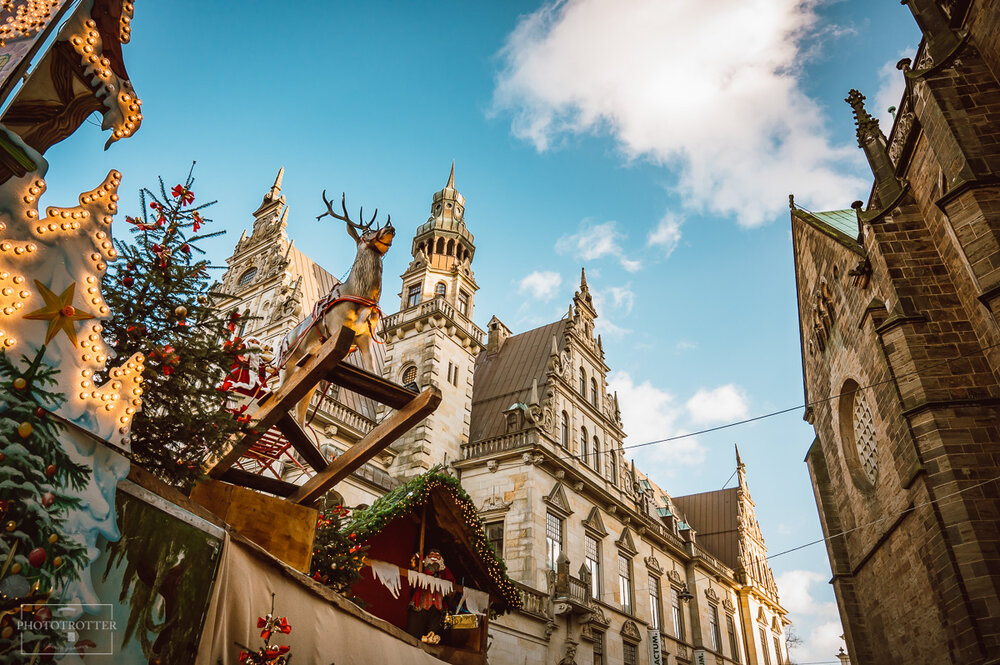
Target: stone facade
x=901, y=350
x=528, y=425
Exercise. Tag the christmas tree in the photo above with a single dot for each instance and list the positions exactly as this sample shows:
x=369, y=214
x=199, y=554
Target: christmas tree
x=337, y=557
x=158, y=296
x=36, y=560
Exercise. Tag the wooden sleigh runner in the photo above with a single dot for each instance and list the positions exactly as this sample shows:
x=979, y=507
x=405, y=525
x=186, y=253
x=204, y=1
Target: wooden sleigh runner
x=285, y=523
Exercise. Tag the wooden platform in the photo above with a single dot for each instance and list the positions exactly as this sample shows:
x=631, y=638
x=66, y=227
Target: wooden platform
x=273, y=411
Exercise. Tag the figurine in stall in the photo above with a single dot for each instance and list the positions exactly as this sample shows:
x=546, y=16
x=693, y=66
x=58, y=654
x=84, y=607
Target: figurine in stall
x=248, y=376
x=430, y=599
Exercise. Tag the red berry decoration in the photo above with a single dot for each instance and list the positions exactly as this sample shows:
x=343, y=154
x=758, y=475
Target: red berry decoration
x=127, y=280
x=48, y=499
x=39, y=412
x=43, y=614
x=37, y=556
x=50, y=470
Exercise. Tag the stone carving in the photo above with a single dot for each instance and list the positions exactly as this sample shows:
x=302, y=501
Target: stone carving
x=653, y=564
x=550, y=627
x=569, y=652
x=728, y=605
x=492, y=465
x=675, y=576
x=903, y=127
x=597, y=615
x=495, y=502
x=631, y=631
x=823, y=315
x=711, y=595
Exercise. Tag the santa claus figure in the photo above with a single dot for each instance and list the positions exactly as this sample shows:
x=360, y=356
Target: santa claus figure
x=247, y=378
x=429, y=601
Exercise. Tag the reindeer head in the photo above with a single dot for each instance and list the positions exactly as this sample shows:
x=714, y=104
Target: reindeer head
x=378, y=239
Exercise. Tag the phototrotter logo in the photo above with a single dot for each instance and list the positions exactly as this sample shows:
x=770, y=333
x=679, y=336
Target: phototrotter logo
x=55, y=629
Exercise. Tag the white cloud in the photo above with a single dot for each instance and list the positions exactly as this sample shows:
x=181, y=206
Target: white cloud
x=666, y=235
x=609, y=330
x=614, y=300
x=816, y=622
x=891, y=84
x=710, y=90
x=723, y=404
x=651, y=414
x=540, y=284
x=685, y=345
x=595, y=241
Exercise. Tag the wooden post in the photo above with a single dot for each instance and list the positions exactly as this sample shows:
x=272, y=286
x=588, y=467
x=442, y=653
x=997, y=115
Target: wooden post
x=423, y=528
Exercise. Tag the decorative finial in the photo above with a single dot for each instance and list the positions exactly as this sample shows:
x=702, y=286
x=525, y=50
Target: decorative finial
x=791, y=201
x=451, y=177
x=277, y=181
x=583, y=279
x=739, y=462
x=284, y=216
x=865, y=123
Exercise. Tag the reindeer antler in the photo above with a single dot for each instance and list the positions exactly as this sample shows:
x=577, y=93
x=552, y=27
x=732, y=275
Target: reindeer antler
x=352, y=227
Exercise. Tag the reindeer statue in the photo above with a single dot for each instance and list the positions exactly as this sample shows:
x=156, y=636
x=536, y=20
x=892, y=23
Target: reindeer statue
x=353, y=303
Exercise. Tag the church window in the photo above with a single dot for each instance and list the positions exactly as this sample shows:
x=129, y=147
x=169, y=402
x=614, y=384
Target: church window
x=409, y=375
x=494, y=536
x=584, y=448
x=858, y=435
x=597, y=455
x=564, y=440
x=593, y=391
x=247, y=277
x=413, y=295
x=440, y=290
x=864, y=436
x=625, y=582
x=583, y=382
x=463, y=303
x=553, y=539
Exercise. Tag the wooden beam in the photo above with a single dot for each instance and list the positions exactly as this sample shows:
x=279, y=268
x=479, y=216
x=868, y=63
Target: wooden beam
x=368, y=384
x=267, y=415
x=258, y=482
x=381, y=436
x=296, y=436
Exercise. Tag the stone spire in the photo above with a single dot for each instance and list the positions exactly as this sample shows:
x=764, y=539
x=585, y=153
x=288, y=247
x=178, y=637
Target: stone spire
x=873, y=142
x=443, y=238
x=741, y=469
x=583, y=302
x=274, y=195
x=451, y=177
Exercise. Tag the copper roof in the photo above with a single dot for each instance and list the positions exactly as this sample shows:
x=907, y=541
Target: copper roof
x=713, y=516
x=505, y=377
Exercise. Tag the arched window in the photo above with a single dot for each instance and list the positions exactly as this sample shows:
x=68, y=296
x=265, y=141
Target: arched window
x=247, y=277
x=409, y=375
x=440, y=289
x=613, y=467
x=583, y=382
x=564, y=441
x=451, y=248
x=593, y=391
x=597, y=455
x=440, y=246
x=584, y=447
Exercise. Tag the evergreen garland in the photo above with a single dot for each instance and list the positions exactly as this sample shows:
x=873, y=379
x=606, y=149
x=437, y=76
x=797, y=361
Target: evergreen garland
x=158, y=296
x=409, y=497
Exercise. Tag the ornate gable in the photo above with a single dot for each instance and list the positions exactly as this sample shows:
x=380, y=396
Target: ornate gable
x=631, y=631
x=594, y=524
x=653, y=564
x=558, y=500
x=626, y=543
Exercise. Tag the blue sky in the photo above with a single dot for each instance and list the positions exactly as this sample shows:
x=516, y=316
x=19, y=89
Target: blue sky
x=653, y=142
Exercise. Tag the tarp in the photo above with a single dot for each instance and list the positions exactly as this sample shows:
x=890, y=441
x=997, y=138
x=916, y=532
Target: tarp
x=322, y=632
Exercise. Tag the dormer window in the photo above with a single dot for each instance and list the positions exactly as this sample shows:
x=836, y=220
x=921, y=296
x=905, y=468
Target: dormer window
x=247, y=277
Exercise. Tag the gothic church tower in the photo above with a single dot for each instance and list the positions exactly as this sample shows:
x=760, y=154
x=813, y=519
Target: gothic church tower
x=432, y=339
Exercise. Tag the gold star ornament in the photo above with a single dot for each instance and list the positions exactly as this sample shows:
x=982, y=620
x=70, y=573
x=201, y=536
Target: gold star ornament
x=59, y=312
